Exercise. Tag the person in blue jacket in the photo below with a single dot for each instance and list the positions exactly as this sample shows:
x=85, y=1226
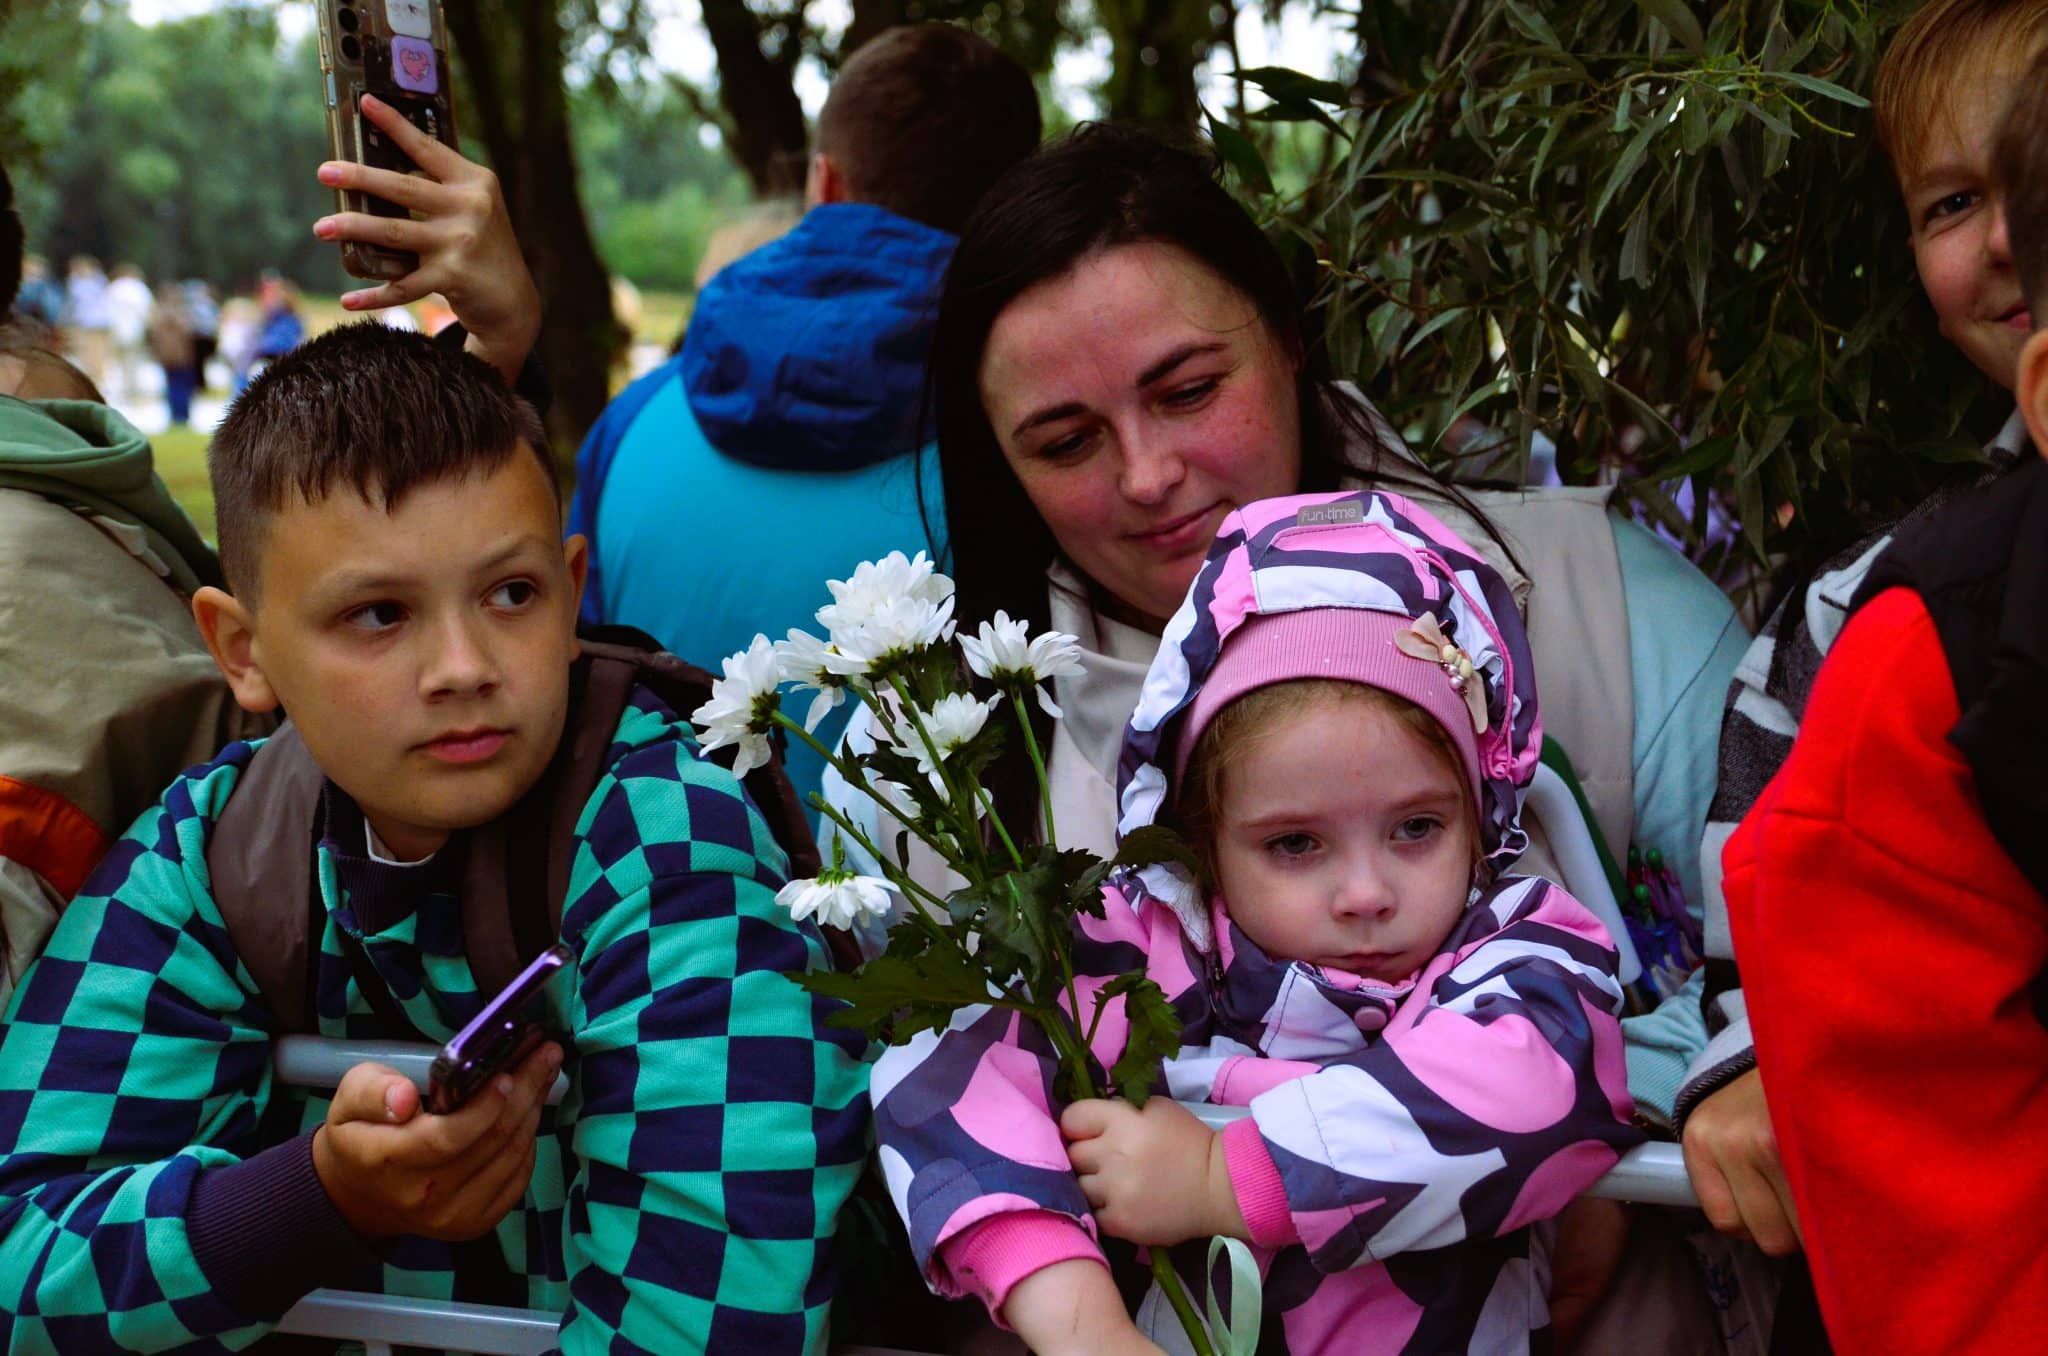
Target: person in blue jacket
x=781, y=445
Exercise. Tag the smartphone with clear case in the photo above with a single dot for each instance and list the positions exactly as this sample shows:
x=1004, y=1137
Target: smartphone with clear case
x=398, y=51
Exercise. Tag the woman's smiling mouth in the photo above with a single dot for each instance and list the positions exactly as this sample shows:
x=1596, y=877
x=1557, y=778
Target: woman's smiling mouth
x=1177, y=535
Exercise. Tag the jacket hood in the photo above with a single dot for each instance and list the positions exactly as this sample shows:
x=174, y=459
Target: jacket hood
x=82, y=453
x=1349, y=549
x=809, y=353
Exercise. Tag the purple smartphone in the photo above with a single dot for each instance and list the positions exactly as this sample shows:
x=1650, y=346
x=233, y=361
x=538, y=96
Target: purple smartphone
x=505, y=1032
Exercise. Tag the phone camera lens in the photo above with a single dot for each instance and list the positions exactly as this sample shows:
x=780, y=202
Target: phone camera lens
x=351, y=49
x=347, y=19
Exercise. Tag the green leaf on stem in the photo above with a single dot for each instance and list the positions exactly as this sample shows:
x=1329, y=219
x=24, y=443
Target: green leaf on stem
x=1241, y=155
x=1154, y=1034
x=1157, y=843
x=901, y=992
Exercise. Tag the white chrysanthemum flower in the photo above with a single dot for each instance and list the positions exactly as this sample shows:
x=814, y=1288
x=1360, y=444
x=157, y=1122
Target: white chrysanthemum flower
x=805, y=660
x=1005, y=652
x=893, y=629
x=957, y=719
x=837, y=898
x=876, y=583
x=742, y=708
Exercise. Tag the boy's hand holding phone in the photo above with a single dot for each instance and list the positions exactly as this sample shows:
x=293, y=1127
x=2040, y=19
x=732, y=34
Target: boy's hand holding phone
x=466, y=247
x=392, y=1169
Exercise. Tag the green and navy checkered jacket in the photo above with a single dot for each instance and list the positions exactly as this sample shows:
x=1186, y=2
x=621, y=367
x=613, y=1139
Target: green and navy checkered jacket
x=156, y=1183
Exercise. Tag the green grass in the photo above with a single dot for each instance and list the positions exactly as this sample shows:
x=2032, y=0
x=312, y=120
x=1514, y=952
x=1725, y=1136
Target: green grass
x=181, y=461
x=181, y=453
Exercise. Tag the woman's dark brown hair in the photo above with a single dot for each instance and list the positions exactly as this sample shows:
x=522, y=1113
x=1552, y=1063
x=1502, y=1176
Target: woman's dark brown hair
x=1100, y=186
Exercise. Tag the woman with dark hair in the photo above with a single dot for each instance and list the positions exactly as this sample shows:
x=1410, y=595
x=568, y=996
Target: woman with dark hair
x=1118, y=362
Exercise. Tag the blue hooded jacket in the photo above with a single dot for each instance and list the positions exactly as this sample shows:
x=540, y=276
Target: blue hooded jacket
x=777, y=450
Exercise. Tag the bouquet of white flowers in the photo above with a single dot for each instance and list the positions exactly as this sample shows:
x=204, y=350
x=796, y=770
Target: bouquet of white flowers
x=1003, y=939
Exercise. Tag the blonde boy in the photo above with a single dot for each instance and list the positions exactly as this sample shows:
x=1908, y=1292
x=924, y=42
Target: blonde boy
x=1889, y=895
x=1943, y=84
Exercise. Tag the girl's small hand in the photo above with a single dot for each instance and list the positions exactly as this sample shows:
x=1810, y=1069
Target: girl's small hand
x=467, y=250
x=1155, y=1176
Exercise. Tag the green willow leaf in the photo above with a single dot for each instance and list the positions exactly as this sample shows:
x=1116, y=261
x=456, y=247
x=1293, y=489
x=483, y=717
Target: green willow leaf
x=1241, y=155
x=1678, y=19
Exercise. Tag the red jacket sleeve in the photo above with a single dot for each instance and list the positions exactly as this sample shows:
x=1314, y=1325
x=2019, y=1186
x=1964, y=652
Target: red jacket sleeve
x=1887, y=943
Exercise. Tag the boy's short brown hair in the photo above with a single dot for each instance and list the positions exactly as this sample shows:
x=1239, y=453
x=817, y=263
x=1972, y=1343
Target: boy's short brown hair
x=1931, y=58
x=923, y=118
x=366, y=407
x=2019, y=185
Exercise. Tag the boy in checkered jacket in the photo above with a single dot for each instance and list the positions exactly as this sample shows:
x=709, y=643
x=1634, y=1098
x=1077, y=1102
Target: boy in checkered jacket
x=390, y=532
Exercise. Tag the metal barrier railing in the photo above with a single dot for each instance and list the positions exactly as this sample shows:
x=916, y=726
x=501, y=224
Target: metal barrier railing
x=1651, y=1174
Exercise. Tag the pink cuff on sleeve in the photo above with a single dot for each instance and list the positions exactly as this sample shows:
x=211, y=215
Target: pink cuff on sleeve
x=988, y=1259
x=1261, y=1196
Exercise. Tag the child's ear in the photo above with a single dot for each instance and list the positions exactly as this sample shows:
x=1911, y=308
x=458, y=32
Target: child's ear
x=823, y=181
x=576, y=558
x=2032, y=388
x=230, y=635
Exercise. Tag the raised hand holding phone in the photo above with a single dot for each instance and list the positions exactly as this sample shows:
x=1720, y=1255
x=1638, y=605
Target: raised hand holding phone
x=462, y=235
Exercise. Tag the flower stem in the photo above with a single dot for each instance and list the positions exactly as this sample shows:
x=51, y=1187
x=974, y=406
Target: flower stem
x=995, y=821
x=1176, y=1294
x=961, y=804
x=856, y=777
x=1037, y=765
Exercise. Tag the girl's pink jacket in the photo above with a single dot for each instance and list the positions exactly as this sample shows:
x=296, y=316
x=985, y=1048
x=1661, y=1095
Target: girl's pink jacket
x=1402, y=1137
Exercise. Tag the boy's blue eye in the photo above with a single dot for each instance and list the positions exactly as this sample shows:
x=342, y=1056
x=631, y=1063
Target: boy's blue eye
x=1950, y=205
x=514, y=593
x=376, y=617
x=1416, y=829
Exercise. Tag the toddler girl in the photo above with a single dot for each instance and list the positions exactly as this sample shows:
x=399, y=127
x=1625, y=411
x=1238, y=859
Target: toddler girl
x=1341, y=718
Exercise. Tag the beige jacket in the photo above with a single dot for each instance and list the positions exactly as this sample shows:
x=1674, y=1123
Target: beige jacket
x=106, y=691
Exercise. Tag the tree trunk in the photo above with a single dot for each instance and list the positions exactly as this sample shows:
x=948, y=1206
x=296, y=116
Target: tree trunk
x=519, y=109
x=869, y=18
x=765, y=120
x=1155, y=48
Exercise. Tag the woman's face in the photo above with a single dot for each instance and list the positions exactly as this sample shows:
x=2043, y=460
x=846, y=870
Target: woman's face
x=1140, y=398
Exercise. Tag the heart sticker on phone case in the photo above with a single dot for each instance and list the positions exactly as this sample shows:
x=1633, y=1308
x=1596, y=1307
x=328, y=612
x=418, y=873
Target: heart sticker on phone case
x=410, y=18
x=412, y=66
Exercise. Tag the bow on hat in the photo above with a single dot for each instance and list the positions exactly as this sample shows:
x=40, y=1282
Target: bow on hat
x=1425, y=640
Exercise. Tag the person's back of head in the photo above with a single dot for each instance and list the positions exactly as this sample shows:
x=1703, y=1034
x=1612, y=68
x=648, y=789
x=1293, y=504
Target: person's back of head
x=365, y=408
x=923, y=118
